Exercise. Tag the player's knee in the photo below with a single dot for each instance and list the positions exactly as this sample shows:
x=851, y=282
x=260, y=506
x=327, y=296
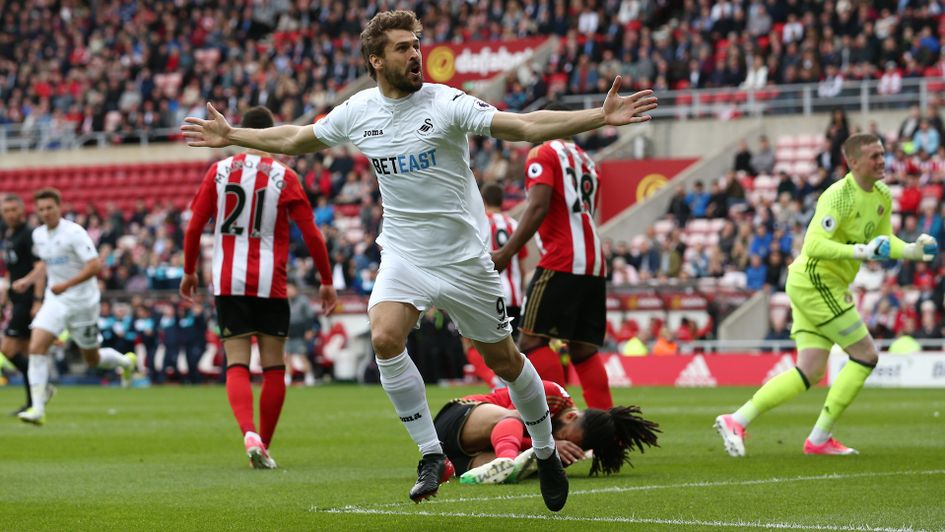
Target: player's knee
x=527, y=342
x=387, y=343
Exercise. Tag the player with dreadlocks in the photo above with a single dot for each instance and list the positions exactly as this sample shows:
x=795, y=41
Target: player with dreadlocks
x=486, y=439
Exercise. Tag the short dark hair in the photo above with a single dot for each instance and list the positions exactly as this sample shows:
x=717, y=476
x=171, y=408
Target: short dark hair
x=374, y=36
x=48, y=193
x=258, y=117
x=492, y=195
x=13, y=197
x=613, y=433
x=852, y=146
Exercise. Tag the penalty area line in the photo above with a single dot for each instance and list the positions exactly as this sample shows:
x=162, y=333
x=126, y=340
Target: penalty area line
x=355, y=510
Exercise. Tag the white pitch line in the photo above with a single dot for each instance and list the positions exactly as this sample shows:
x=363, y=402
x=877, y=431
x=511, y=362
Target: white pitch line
x=622, y=489
x=622, y=520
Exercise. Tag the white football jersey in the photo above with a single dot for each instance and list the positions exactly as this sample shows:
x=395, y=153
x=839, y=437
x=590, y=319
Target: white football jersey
x=64, y=251
x=433, y=213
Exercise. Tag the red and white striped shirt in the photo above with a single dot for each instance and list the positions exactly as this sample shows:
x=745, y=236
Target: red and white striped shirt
x=251, y=198
x=568, y=237
x=503, y=226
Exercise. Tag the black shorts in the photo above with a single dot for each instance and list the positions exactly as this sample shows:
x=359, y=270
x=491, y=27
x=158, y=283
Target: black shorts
x=566, y=306
x=449, y=422
x=241, y=315
x=20, y=318
x=516, y=314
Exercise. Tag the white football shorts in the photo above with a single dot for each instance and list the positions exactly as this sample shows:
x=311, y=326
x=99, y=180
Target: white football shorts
x=470, y=291
x=82, y=321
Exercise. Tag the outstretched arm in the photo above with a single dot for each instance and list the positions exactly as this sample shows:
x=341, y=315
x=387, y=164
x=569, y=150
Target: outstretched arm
x=216, y=132
x=539, y=126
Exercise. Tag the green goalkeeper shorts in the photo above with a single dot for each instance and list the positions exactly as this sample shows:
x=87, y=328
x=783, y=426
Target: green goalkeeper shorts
x=823, y=314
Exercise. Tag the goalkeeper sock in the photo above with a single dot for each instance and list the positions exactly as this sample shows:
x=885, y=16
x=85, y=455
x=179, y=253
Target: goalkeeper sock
x=528, y=395
x=593, y=377
x=844, y=390
x=403, y=383
x=775, y=392
x=507, y=437
x=240, y=393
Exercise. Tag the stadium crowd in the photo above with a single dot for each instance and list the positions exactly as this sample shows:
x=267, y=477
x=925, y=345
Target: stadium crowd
x=120, y=67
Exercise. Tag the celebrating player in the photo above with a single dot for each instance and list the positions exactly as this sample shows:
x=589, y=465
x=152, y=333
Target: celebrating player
x=68, y=257
x=18, y=256
x=251, y=197
x=485, y=438
x=435, y=229
x=851, y=224
x=566, y=297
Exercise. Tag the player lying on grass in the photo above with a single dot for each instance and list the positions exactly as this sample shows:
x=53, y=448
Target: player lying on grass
x=486, y=441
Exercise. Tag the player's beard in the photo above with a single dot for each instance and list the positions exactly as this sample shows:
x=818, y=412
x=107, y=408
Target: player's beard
x=406, y=81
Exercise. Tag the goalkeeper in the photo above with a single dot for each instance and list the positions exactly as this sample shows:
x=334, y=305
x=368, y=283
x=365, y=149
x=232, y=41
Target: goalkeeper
x=851, y=224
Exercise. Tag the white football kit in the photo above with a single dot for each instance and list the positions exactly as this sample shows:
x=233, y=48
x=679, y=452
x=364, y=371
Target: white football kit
x=435, y=236
x=64, y=252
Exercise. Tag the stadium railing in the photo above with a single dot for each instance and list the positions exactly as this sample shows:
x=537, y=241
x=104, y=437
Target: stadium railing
x=775, y=99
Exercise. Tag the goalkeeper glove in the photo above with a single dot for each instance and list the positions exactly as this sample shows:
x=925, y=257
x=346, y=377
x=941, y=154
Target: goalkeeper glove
x=877, y=249
x=925, y=248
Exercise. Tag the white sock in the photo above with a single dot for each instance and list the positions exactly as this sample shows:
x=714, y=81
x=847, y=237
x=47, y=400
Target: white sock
x=39, y=379
x=818, y=436
x=108, y=358
x=528, y=396
x=404, y=385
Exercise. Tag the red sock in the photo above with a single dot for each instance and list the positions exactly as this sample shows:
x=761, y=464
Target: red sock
x=270, y=401
x=482, y=370
x=240, y=393
x=547, y=363
x=507, y=436
x=594, y=382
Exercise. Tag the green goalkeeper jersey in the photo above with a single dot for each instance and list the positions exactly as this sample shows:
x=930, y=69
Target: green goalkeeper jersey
x=845, y=215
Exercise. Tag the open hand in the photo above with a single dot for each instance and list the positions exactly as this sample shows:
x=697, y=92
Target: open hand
x=621, y=110
x=188, y=286
x=329, y=299
x=211, y=133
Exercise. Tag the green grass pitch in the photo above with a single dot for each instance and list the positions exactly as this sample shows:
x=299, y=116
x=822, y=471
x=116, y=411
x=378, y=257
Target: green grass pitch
x=172, y=459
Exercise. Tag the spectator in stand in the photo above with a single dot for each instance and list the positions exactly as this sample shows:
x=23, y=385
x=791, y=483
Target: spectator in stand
x=718, y=203
x=756, y=273
x=761, y=241
x=891, y=81
x=679, y=206
x=670, y=259
x=665, y=343
x=931, y=328
x=145, y=326
x=776, y=272
x=926, y=138
x=786, y=185
x=733, y=188
x=832, y=84
x=743, y=159
x=763, y=159
x=698, y=200
x=697, y=264
x=778, y=331
x=837, y=132
x=910, y=125
x=757, y=76
x=930, y=222
x=911, y=196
